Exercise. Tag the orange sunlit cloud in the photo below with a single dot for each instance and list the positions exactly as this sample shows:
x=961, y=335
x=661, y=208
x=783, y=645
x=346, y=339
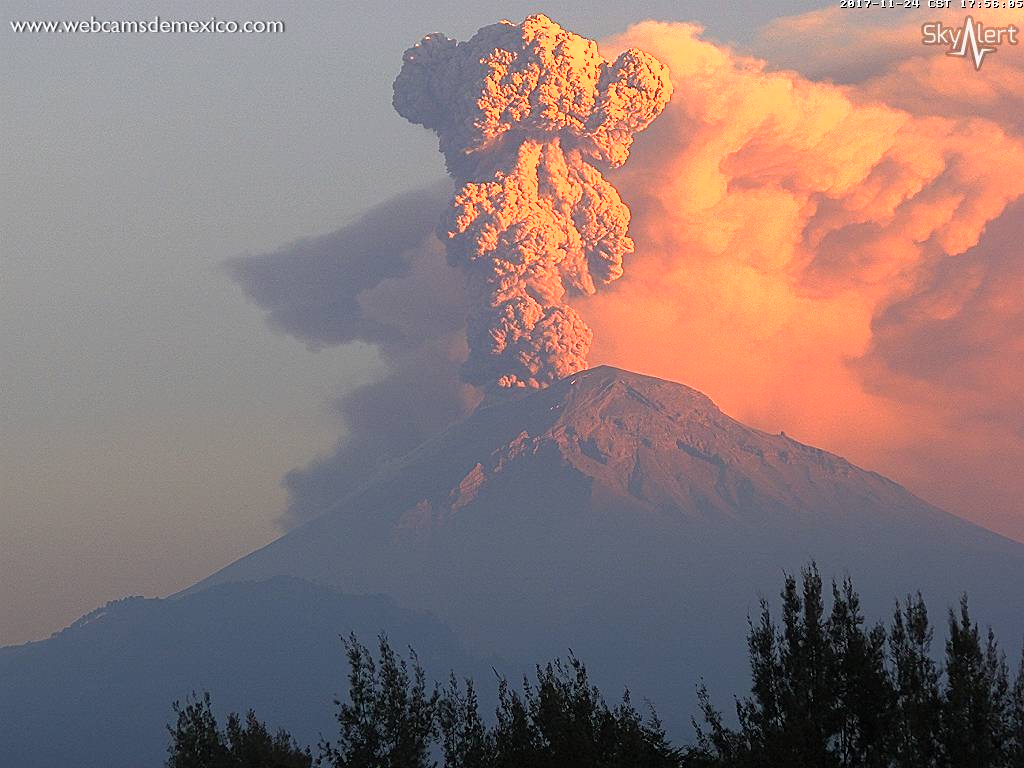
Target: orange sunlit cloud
x=828, y=252
x=800, y=242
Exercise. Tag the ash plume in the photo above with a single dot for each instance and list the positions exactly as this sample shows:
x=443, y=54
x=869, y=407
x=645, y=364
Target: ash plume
x=839, y=261
x=381, y=280
x=525, y=115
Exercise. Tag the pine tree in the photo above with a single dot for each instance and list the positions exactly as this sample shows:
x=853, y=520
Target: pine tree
x=915, y=676
x=863, y=692
x=808, y=706
x=640, y=742
x=717, y=746
x=1016, y=745
x=793, y=715
x=251, y=745
x=976, y=705
x=562, y=721
x=389, y=720
x=761, y=717
x=196, y=741
x=569, y=714
x=465, y=739
x=516, y=740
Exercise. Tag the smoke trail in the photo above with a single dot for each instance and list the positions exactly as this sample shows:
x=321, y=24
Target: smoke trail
x=381, y=280
x=523, y=113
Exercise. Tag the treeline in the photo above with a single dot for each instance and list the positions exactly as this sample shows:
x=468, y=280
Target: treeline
x=827, y=691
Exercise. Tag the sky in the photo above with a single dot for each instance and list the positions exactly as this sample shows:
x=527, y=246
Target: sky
x=153, y=420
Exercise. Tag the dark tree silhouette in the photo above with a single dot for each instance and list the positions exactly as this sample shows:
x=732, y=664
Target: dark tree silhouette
x=860, y=691
x=915, y=677
x=197, y=742
x=1016, y=749
x=390, y=718
x=827, y=691
x=560, y=720
x=465, y=738
x=563, y=720
x=977, y=707
x=831, y=692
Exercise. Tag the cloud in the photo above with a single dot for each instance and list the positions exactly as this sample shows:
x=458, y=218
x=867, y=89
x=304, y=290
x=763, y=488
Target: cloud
x=886, y=60
x=381, y=280
x=838, y=260
x=790, y=235
x=310, y=288
x=525, y=113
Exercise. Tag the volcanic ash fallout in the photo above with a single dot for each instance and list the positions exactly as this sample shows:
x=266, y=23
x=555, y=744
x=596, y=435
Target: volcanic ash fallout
x=526, y=115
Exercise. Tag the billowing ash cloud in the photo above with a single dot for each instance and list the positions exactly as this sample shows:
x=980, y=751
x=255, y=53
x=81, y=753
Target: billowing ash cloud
x=380, y=280
x=311, y=288
x=525, y=114
x=842, y=262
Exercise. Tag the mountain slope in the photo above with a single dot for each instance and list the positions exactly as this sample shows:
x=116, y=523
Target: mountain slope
x=617, y=515
x=99, y=693
x=630, y=519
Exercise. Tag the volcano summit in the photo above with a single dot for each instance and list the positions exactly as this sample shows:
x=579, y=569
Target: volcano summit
x=619, y=515
x=628, y=518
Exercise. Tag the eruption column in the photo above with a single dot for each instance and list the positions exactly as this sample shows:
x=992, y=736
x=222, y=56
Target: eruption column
x=525, y=115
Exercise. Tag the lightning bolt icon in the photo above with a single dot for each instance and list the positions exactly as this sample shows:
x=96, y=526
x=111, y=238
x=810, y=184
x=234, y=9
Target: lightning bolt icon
x=968, y=44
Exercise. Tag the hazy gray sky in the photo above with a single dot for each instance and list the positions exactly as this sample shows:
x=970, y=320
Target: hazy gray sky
x=147, y=412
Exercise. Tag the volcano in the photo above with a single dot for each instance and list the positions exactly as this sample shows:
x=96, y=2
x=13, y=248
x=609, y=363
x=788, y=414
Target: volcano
x=618, y=515
x=629, y=519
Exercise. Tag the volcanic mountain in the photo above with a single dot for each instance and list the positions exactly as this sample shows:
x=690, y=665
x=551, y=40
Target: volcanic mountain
x=630, y=519
x=617, y=515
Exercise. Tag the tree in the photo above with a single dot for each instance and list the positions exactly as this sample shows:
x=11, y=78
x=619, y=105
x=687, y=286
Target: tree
x=976, y=706
x=827, y=691
x=832, y=692
x=569, y=715
x=762, y=717
x=197, y=742
x=562, y=720
x=465, y=739
x=640, y=742
x=808, y=706
x=1016, y=747
x=792, y=716
x=863, y=696
x=915, y=676
x=516, y=740
x=252, y=745
x=390, y=718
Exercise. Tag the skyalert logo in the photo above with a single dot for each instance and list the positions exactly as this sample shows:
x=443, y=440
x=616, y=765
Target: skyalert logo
x=973, y=40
